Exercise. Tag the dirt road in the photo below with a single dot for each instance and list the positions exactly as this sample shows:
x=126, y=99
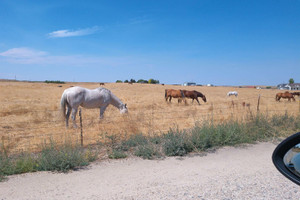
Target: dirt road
x=229, y=173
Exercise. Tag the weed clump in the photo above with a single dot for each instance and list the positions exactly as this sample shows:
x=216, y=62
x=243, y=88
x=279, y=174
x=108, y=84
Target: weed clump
x=53, y=157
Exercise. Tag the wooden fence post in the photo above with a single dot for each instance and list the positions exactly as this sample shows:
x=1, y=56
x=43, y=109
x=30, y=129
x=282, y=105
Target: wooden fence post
x=258, y=103
x=81, y=133
x=299, y=103
x=212, y=112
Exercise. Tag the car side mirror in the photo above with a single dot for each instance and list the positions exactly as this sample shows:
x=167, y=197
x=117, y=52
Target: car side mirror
x=286, y=158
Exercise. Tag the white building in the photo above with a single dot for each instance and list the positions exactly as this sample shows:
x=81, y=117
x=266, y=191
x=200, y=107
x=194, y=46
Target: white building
x=189, y=84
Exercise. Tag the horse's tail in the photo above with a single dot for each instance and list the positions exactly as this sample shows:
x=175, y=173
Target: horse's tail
x=166, y=90
x=63, y=103
x=182, y=94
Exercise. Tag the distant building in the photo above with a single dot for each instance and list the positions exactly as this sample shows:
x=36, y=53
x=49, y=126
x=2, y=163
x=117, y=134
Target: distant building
x=295, y=86
x=189, y=84
x=285, y=86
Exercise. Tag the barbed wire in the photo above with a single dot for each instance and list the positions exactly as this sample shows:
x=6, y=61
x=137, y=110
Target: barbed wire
x=109, y=121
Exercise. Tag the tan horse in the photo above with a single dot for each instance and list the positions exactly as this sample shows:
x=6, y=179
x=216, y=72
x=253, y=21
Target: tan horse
x=171, y=93
x=285, y=95
x=194, y=95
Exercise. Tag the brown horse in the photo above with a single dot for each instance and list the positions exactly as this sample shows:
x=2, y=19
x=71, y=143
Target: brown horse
x=194, y=95
x=285, y=95
x=169, y=93
x=296, y=93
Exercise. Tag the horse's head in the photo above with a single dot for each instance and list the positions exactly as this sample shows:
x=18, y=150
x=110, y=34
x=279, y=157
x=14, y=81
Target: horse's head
x=204, y=98
x=123, y=109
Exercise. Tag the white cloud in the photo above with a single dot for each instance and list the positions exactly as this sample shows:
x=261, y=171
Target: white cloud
x=22, y=52
x=24, y=55
x=70, y=33
x=30, y=56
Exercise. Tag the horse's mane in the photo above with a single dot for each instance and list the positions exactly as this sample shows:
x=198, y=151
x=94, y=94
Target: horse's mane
x=198, y=93
x=102, y=88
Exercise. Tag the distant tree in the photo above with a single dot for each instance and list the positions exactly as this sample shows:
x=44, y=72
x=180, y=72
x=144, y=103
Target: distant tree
x=119, y=81
x=291, y=81
x=59, y=82
x=153, y=81
x=142, y=81
x=132, y=81
x=126, y=81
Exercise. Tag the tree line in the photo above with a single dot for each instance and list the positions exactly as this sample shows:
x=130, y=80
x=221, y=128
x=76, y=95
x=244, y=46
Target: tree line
x=150, y=81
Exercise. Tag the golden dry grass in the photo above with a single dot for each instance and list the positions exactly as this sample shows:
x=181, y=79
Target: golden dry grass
x=30, y=112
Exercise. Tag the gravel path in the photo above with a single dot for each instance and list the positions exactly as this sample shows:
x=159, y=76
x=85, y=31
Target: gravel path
x=229, y=173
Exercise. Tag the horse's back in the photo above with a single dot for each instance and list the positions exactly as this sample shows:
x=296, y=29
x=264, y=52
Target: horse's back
x=88, y=98
x=189, y=94
x=173, y=93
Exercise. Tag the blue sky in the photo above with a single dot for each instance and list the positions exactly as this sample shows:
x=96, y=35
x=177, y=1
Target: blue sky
x=222, y=42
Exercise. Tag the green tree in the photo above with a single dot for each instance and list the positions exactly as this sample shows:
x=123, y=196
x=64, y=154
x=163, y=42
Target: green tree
x=151, y=81
x=132, y=81
x=142, y=81
x=119, y=81
x=291, y=81
x=126, y=81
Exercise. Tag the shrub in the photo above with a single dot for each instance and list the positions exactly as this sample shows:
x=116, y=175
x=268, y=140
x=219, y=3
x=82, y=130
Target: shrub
x=147, y=151
x=62, y=158
x=25, y=163
x=117, y=154
x=176, y=143
x=134, y=140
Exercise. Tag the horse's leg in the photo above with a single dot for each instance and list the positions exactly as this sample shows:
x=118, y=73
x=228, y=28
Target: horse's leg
x=170, y=99
x=197, y=100
x=102, y=110
x=74, y=112
x=180, y=100
x=68, y=115
x=167, y=98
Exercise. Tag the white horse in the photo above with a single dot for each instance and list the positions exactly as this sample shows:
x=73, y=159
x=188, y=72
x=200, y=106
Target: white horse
x=100, y=97
x=235, y=93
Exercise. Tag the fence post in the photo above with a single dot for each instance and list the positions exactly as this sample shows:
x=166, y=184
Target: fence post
x=212, y=112
x=258, y=103
x=81, y=134
x=299, y=103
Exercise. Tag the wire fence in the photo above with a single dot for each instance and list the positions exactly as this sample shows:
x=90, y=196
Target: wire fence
x=23, y=129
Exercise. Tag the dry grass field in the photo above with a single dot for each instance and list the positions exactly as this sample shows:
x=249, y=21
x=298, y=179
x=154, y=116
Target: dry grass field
x=30, y=112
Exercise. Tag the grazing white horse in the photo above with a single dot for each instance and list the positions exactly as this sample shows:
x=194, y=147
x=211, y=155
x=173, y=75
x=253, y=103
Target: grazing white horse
x=235, y=93
x=100, y=97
